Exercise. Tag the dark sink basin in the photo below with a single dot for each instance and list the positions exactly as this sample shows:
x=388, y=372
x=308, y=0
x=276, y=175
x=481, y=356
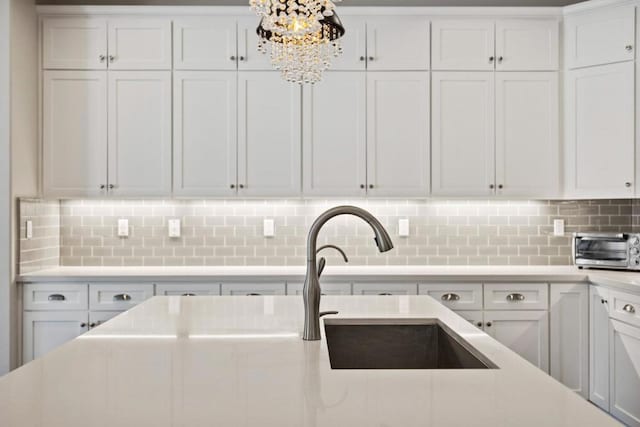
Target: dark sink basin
x=399, y=344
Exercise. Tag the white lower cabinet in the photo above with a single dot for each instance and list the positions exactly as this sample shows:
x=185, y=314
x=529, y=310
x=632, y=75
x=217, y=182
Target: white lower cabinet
x=385, y=289
x=253, y=289
x=188, y=289
x=325, y=288
x=118, y=297
x=97, y=318
x=624, y=372
x=46, y=330
x=599, y=347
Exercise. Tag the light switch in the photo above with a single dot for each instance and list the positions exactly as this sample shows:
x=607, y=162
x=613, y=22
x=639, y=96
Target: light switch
x=174, y=228
x=558, y=227
x=123, y=228
x=29, y=230
x=403, y=227
x=269, y=228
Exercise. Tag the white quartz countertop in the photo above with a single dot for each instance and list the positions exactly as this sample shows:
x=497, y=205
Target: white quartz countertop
x=625, y=280
x=226, y=361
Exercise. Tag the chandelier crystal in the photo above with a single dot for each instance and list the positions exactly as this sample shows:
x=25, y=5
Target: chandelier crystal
x=301, y=35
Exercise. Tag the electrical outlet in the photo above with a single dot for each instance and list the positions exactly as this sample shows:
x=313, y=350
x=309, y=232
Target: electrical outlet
x=29, y=230
x=558, y=227
x=403, y=227
x=123, y=228
x=174, y=228
x=269, y=228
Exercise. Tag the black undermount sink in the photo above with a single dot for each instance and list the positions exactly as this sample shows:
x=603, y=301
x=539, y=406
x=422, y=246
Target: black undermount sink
x=399, y=344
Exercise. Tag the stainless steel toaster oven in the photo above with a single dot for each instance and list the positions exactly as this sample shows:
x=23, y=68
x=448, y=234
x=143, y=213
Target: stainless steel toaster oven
x=620, y=251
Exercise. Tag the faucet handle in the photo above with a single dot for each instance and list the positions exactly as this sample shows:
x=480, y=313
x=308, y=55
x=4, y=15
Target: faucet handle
x=321, y=265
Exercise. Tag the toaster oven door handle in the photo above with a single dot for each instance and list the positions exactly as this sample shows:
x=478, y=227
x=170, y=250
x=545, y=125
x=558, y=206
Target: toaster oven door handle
x=596, y=236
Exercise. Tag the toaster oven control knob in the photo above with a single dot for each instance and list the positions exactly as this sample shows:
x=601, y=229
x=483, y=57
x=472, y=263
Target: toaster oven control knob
x=635, y=241
x=635, y=262
x=634, y=251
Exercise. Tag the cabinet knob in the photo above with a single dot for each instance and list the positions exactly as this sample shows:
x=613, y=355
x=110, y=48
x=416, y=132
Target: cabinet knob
x=362, y=58
x=628, y=308
x=491, y=186
x=363, y=186
x=241, y=186
x=232, y=186
x=102, y=58
x=93, y=325
x=500, y=59
x=112, y=58
x=603, y=301
x=479, y=324
x=450, y=297
x=628, y=48
x=233, y=58
x=371, y=186
x=102, y=186
x=242, y=58
x=372, y=58
x=111, y=186
x=83, y=325
x=500, y=187
x=491, y=58
x=627, y=184
x=489, y=324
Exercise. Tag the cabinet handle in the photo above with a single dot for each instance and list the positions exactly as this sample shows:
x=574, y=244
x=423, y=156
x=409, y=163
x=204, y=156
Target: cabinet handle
x=253, y=294
x=363, y=186
x=629, y=48
x=515, y=297
x=450, y=297
x=479, y=324
x=491, y=186
x=384, y=294
x=112, y=58
x=362, y=58
x=188, y=294
x=628, y=308
x=500, y=59
x=241, y=58
x=102, y=58
x=56, y=297
x=232, y=58
x=627, y=184
x=603, y=301
x=371, y=186
x=500, y=187
x=371, y=58
x=83, y=325
x=122, y=297
x=491, y=58
x=102, y=186
x=489, y=324
x=233, y=186
x=241, y=186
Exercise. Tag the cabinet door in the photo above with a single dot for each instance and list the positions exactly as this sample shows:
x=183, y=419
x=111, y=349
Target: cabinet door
x=600, y=131
x=74, y=133
x=140, y=133
x=204, y=133
x=599, y=347
x=624, y=372
x=74, y=43
x=354, y=45
x=207, y=43
x=44, y=331
x=398, y=162
x=385, y=289
x=398, y=43
x=569, y=336
x=269, y=135
x=253, y=289
x=187, y=289
x=249, y=58
x=335, y=135
x=97, y=318
x=527, y=45
x=525, y=332
x=527, y=134
x=600, y=37
x=463, y=44
x=476, y=318
x=140, y=44
x=326, y=288
x=463, y=154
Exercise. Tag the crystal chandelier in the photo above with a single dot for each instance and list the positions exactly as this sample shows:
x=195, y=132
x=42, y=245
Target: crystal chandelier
x=302, y=36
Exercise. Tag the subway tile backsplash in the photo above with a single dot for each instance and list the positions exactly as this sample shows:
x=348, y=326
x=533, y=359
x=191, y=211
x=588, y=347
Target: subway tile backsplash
x=229, y=232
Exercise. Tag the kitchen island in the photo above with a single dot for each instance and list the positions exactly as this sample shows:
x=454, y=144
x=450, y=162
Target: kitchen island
x=225, y=361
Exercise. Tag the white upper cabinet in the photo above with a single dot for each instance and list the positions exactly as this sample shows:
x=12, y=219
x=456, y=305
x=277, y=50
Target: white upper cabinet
x=463, y=161
x=139, y=44
x=335, y=135
x=269, y=135
x=74, y=133
x=398, y=134
x=527, y=134
x=398, y=43
x=74, y=43
x=602, y=36
x=600, y=147
x=527, y=44
x=248, y=56
x=207, y=43
x=140, y=133
x=463, y=44
x=205, y=133
x=354, y=45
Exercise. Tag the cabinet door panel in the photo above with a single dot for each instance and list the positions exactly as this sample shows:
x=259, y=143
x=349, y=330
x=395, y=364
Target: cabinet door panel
x=74, y=133
x=253, y=289
x=398, y=162
x=74, y=43
x=624, y=372
x=463, y=44
x=205, y=133
x=326, y=288
x=463, y=158
x=476, y=318
x=55, y=296
x=335, y=135
x=600, y=37
x=269, y=135
x=204, y=43
x=527, y=134
x=385, y=289
x=600, y=131
x=251, y=59
x=569, y=336
x=187, y=289
x=118, y=296
x=527, y=45
x=398, y=43
x=140, y=44
x=97, y=318
x=140, y=133
x=354, y=45
x=45, y=331
x=599, y=347
x=525, y=332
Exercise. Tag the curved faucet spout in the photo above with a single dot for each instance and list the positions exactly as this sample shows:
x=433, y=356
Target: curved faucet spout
x=311, y=292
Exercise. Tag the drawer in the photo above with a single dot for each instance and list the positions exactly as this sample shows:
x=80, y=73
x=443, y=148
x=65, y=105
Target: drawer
x=53, y=297
x=624, y=307
x=522, y=296
x=385, y=288
x=456, y=296
x=253, y=289
x=118, y=296
x=186, y=289
x=327, y=288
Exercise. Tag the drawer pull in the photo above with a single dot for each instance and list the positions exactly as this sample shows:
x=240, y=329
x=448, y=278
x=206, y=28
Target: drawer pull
x=122, y=297
x=56, y=297
x=253, y=294
x=515, y=297
x=450, y=297
x=188, y=294
x=629, y=309
x=384, y=294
